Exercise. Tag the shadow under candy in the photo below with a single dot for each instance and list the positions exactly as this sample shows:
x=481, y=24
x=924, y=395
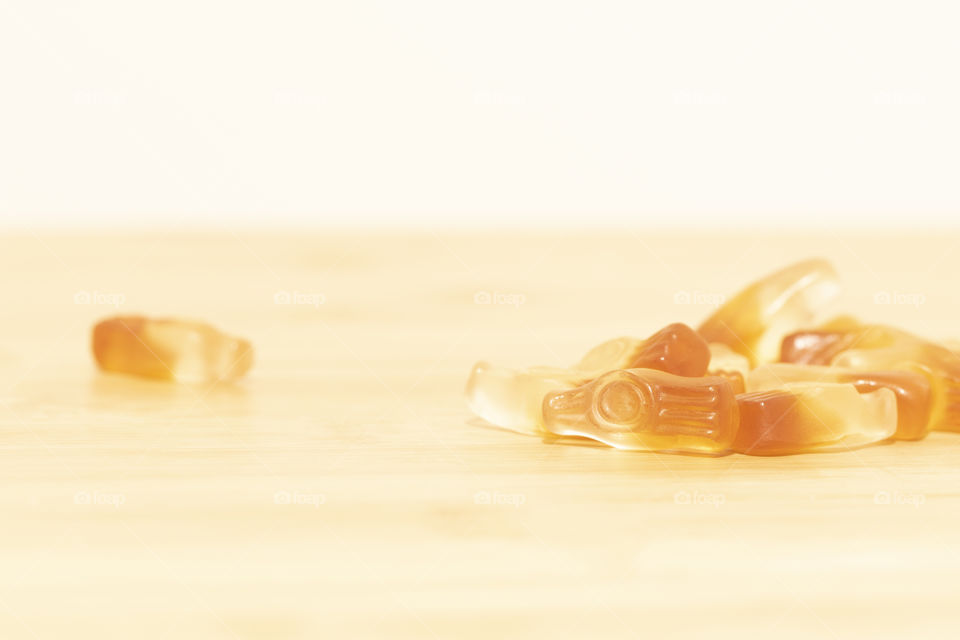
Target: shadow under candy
x=116, y=391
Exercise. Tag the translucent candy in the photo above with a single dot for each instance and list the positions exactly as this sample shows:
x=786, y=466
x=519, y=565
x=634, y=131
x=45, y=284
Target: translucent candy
x=840, y=385
x=512, y=399
x=952, y=344
x=169, y=349
x=735, y=378
x=813, y=346
x=944, y=382
x=647, y=410
x=754, y=321
x=727, y=363
x=909, y=349
x=675, y=349
x=804, y=417
x=878, y=347
x=912, y=390
x=823, y=344
x=723, y=358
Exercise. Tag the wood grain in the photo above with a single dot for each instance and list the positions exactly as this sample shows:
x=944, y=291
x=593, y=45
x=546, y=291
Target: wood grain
x=342, y=490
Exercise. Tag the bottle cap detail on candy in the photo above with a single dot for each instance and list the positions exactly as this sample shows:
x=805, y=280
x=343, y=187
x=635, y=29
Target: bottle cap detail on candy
x=512, y=398
x=649, y=410
x=839, y=385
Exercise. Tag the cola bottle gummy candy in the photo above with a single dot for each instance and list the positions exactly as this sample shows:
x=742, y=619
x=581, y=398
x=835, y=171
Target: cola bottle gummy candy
x=912, y=390
x=512, y=398
x=649, y=410
x=802, y=417
x=169, y=349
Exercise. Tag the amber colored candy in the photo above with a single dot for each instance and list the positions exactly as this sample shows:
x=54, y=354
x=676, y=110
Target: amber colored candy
x=754, y=321
x=896, y=346
x=944, y=381
x=945, y=414
x=723, y=358
x=648, y=410
x=842, y=323
x=735, y=378
x=912, y=390
x=676, y=349
x=729, y=364
x=169, y=349
x=805, y=417
x=512, y=398
x=823, y=344
x=952, y=344
x=879, y=347
x=813, y=346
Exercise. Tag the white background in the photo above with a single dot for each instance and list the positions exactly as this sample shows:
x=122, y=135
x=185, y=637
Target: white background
x=453, y=114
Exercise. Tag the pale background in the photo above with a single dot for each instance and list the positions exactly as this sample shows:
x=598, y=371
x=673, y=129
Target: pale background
x=478, y=114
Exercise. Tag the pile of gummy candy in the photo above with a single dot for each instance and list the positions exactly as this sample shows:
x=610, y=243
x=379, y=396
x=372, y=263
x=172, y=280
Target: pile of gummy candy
x=757, y=377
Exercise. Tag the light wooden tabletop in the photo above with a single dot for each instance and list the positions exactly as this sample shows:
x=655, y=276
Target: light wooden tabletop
x=343, y=490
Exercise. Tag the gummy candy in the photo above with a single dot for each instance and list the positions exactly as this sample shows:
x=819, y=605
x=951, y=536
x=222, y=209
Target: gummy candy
x=735, y=378
x=944, y=382
x=754, y=321
x=169, y=349
x=879, y=347
x=723, y=358
x=649, y=410
x=912, y=390
x=676, y=349
x=727, y=363
x=823, y=344
x=813, y=346
x=803, y=417
x=838, y=385
x=512, y=399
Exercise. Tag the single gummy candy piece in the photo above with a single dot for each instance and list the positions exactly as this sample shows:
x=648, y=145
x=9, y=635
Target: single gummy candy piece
x=647, y=410
x=803, y=417
x=169, y=349
x=914, y=397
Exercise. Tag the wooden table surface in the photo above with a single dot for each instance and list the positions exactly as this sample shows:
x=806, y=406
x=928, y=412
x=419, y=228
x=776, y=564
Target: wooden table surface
x=343, y=490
